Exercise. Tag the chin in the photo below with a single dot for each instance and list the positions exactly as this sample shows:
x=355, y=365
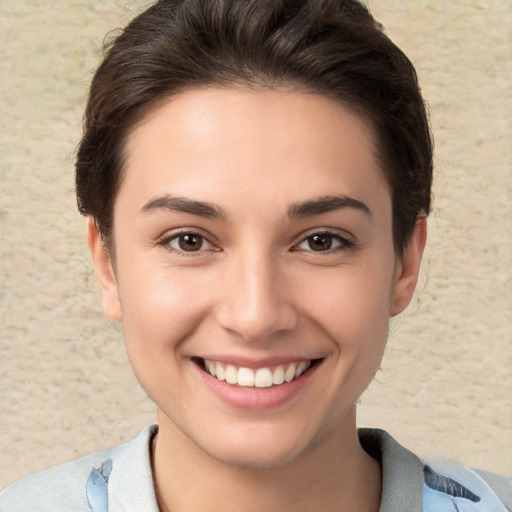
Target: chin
x=262, y=446
x=259, y=457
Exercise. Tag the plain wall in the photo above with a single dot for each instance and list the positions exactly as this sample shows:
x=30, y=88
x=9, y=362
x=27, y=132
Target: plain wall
x=66, y=388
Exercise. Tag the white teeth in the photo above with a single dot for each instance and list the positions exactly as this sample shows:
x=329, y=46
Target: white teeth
x=263, y=378
x=210, y=367
x=301, y=368
x=289, y=374
x=260, y=378
x=278, y=377
x=246, y=377
x=220, y=373
x=231, y=374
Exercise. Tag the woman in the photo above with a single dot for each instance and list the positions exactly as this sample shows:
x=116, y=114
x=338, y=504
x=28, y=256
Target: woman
x=256, y=179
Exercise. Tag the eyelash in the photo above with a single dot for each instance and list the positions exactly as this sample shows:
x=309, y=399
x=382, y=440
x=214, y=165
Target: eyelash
x=343, y=242
x=335, y=237
x=167, y=241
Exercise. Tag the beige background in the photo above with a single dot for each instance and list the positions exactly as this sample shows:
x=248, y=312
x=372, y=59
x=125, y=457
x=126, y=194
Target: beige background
x=445, y=387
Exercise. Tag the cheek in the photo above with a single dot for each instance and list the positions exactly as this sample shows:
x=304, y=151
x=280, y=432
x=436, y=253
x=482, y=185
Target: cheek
x=161, y=305
x=352, y=306
x=353, y=303
x=162, y=308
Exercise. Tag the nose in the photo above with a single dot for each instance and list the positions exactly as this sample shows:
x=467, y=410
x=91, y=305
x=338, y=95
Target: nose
x=256, y=299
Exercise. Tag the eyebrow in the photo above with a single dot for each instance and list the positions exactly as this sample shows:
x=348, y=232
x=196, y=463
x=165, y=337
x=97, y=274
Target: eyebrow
x=182, y=204
x=303, y=209
x=326, y=204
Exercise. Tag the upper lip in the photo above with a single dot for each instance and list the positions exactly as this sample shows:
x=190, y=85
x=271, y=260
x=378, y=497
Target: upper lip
x=255, y=363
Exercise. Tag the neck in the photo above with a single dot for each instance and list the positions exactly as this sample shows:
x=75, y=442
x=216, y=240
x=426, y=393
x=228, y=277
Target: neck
x=336, y=475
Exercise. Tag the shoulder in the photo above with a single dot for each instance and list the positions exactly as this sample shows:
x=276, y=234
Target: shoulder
x=501, y=485
x=450, y=482
x=61, y=487
x=64, y=487
x=413, y=484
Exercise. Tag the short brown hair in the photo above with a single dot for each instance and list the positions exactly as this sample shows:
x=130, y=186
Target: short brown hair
x=330, y=47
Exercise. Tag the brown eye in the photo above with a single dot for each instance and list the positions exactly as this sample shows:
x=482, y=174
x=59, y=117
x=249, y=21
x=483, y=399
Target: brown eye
x=324, y=242
x=189, y=242
x=320, y=242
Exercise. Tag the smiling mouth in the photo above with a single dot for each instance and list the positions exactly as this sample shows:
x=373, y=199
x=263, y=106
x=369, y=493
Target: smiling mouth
x=264, y=377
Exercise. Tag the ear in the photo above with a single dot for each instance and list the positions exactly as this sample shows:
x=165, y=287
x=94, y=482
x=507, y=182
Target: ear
x=104, y=271
x=408, y=267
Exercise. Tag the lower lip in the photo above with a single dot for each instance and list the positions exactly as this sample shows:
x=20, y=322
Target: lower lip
x=256, y=399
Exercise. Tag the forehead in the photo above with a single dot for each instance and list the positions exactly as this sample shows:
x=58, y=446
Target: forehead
x=280, y=142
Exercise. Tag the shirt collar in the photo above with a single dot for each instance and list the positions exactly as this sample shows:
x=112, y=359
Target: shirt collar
x=131, y=483
x=130, y=486
x=402, y=471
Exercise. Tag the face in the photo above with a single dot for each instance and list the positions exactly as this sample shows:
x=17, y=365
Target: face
x=254, y=269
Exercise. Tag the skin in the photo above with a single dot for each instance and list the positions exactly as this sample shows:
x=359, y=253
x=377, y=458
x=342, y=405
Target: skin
x=256, y=291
